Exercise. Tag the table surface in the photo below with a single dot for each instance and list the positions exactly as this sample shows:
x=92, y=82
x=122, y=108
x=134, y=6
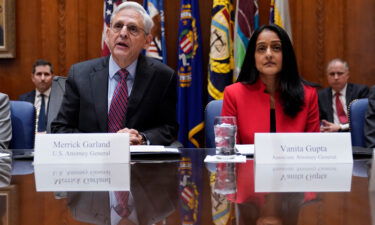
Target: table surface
x=182, y=189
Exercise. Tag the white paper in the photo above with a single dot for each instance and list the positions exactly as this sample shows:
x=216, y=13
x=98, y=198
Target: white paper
x=245, y=149
x=215, y=159
x=151, y=148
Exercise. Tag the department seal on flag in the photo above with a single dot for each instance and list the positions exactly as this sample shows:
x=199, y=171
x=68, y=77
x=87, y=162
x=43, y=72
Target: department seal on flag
x=188, y=192
x=220, y=41
x=188, y=45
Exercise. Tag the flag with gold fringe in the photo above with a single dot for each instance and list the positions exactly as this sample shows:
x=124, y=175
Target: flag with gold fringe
x=279, y=15
x=157, y=48
x=221, y=62
x=190, y=102
x=247, y=20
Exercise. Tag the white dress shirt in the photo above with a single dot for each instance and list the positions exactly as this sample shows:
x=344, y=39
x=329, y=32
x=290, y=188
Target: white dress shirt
x=112, y=82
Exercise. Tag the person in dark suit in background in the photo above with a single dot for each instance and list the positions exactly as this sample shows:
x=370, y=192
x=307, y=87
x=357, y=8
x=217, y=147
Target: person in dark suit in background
x=41, y=76
x=370, y=120
x=147, y=109
x=334, y=100
x=5, y=123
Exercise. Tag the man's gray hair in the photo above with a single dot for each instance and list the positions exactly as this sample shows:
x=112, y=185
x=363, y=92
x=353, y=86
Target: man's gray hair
x=337, y=60
x=147, y=20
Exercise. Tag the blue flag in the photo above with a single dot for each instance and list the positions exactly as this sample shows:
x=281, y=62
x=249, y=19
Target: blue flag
x=190, y=106
x=157, y=48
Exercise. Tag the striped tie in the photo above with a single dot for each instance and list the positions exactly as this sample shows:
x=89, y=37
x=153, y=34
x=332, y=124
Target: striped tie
x=340, y=109
x=42, y=115
x=119, y=104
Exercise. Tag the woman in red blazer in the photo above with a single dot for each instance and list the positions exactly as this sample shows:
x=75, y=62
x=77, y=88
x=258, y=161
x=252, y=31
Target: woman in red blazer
x=269, y=95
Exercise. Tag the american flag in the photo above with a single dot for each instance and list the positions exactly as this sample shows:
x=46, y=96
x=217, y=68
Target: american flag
x=157, y=48
x=109, y=6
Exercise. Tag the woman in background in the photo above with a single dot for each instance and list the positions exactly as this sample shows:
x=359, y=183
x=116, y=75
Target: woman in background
x=269, y=95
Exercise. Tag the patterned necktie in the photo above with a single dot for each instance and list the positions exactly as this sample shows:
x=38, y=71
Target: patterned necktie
x=122, y=207
x=119, y=104
x=42, y=115
x=340, y=110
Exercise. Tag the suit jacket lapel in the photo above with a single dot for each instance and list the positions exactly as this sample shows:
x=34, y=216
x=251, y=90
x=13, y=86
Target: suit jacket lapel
x=330, y=105
x=99, y=88
x=348, y=94
x=31, y=97
x=144, y=75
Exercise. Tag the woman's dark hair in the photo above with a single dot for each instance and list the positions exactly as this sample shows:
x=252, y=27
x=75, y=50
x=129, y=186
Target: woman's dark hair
x=290, y=83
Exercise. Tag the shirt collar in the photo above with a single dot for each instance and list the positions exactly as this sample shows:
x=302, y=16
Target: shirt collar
x=342, y=92
x=46, y=93
x=113, y=68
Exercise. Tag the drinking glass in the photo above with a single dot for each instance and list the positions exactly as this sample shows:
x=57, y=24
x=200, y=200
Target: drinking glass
x=225, y=128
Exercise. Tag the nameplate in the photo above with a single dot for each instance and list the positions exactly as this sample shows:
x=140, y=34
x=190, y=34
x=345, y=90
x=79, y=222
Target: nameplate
x=81, y=148
x=286, y=148
x=303, y=177
x=82, y=177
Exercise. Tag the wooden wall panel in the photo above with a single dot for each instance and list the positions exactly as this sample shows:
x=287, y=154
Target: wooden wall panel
x=323, y=30
x=360, y=40
x=69, y=31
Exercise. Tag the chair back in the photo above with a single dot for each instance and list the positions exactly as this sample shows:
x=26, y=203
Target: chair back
x=213, y=109
x=55, y=99
x=22, y=115
x=357, y=112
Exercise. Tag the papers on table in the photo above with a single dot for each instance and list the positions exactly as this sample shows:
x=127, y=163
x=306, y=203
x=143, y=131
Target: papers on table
x=151, y=149
x=245, y=149
x=215, y=159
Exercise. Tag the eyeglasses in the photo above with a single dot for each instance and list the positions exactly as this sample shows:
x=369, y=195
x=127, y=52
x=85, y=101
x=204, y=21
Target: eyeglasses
x=131, y=28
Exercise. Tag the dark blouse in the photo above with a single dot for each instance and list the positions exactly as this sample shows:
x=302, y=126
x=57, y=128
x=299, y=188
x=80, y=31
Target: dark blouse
x=272, y=121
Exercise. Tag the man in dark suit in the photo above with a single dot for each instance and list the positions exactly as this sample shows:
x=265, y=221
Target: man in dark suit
x=146, y=107
x=41, y=76
x=334, y=100
x=370, y=120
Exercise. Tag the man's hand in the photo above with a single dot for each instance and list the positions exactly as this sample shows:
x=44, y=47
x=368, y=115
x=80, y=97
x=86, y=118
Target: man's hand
x=329, y=127
x=135, y=137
